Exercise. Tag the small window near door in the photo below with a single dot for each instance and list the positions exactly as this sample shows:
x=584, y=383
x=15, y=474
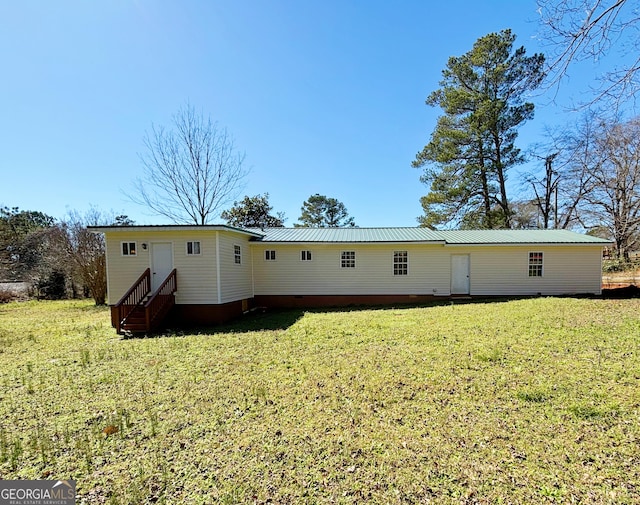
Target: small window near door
x=535, y=264
x=270, y=255
x=400, y=262
x=237, y=255
x=193, y=248
x=129, y=249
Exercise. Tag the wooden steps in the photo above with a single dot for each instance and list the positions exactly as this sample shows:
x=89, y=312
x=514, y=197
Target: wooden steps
x=139, y=310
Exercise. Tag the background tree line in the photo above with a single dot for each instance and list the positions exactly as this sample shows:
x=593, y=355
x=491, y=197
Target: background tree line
x=56, y=258
x=318, y=211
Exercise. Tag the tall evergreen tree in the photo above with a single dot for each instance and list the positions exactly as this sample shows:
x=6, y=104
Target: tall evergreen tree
x=465, y=163
x=253, y=212
x=322, y=212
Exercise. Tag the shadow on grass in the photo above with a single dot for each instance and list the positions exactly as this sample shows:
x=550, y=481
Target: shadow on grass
x=257, y=320
x=260, y=320
x=630, y=291
x=264, y=319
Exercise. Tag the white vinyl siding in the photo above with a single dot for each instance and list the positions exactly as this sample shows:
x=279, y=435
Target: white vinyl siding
x=494, y=270
x=373, y=275
x=235, y=278
x=122, y=271
x=196, y=273
x=503, y=270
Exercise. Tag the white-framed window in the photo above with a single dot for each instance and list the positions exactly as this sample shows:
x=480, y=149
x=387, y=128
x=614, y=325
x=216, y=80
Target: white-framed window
x=129, y=249
x=237, y=254
x=305, y=255
x=193, y=248
x=269, y=255
x=400, y=263
x=535, y=264
x=348, y=259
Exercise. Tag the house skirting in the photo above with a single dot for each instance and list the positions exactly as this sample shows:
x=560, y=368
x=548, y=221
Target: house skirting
x=310, y=301
x=198, y=314
x=202, y=315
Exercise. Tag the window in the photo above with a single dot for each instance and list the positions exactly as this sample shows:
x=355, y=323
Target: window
x=348, y=259
x=305, y=255
x=193, y=248
x=270, y=255
x=535, y=264
x=400, y=262
x=129, y=249
x=237, y=255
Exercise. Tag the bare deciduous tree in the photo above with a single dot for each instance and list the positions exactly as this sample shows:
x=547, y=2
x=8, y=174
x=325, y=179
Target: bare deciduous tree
x=86, y=250
x=614, y=200
x=577, y=157
x=545, y=188
x=588, y=30
x=191, y=171
x=568, y=156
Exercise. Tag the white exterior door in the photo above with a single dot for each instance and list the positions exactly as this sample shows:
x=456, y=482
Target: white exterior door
x=460, y=274
x=161, y=263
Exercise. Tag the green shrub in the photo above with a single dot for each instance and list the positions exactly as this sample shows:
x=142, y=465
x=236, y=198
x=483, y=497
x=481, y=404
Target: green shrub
x=54, y=286
x=610, y=266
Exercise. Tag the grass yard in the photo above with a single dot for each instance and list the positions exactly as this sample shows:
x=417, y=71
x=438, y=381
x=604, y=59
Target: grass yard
x=526, y=401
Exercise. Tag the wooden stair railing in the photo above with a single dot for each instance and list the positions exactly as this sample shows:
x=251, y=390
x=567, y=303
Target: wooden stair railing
x=161, y=301
x=132, y=299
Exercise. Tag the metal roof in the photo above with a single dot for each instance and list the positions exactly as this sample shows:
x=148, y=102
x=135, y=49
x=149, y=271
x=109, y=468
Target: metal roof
x=380, y=235
x=174, y=227
x=469, y=237
x=349, y=235
x=518, y=237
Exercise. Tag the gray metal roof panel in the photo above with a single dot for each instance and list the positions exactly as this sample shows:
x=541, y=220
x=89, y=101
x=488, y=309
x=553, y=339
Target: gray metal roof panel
x=350, y=235
x=382, y=235
x=462, y=237
x=174, y=227
x=452, y=237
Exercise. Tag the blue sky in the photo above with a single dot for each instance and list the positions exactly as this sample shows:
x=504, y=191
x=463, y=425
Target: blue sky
x=323, y=96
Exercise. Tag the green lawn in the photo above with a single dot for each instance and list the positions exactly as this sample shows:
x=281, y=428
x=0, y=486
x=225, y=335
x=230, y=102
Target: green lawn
x=526, y=401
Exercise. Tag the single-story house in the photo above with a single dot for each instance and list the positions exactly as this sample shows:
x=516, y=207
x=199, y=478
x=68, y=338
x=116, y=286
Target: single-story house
x=212, y=273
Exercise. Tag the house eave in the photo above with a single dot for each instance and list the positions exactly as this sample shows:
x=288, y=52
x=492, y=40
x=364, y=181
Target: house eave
x=172, y=227
x=350, y=242
x=527, y=244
